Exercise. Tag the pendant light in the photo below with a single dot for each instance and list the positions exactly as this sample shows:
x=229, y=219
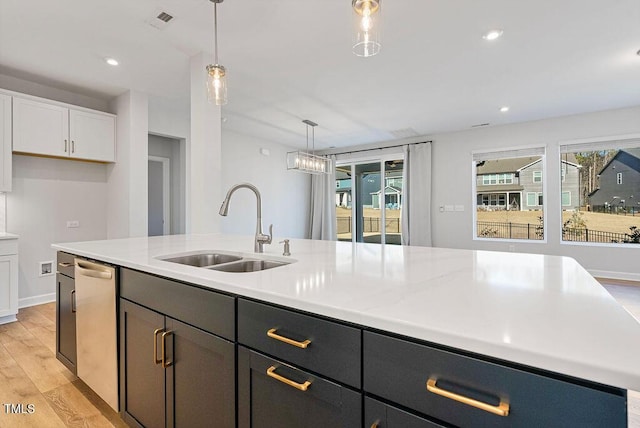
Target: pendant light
x=307, y=161
x=366, y=14
x=216, y=73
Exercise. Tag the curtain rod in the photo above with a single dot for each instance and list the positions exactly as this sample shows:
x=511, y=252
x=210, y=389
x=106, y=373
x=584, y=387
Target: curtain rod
x=379, y=148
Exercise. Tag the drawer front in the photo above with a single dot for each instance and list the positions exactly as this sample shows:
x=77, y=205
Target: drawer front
x=276, y=400
x=333, y=349
x=8, y=247
x=399, y=371
x=65, y=264
x=380, y=415
x=209, y=310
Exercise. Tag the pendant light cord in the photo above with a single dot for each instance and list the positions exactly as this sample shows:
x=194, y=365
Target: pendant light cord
x=215, y=32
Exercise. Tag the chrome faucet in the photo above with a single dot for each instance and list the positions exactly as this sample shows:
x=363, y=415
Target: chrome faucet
x=261, y=238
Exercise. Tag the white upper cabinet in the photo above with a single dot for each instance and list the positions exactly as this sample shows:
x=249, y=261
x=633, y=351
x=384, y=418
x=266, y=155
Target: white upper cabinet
x=92, y=136
x=47, y=129
x=5, y=143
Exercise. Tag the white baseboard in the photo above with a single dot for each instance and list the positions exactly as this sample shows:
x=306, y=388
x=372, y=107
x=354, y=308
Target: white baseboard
x=624, y=276
x=36, y=300
x=8, y=319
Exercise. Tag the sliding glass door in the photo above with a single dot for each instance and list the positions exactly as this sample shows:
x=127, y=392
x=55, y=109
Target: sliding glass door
x=369, y=201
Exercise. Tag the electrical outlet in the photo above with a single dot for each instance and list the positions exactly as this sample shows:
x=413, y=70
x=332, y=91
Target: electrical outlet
x=73, y=223
x=46, y=268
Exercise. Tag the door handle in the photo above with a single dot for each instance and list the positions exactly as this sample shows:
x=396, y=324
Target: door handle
x=271, y=372
x=501, y=409
x=272, y=334
x=165, y=363
x=155, y=346
x=73, y=301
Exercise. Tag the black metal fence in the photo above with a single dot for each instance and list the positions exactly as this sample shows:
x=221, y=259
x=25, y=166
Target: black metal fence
x=588, y=235
x=490, y=229
x=370, y=224
x=487, y=229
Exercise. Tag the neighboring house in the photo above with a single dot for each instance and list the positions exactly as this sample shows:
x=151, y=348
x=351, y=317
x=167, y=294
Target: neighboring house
x=371, y=190
x=517, y=184
x=618, y=183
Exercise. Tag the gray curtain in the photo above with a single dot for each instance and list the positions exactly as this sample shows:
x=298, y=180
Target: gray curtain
x=416, y=195
x=322, y=222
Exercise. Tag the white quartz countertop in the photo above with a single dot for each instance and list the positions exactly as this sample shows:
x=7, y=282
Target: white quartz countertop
x=537, y=310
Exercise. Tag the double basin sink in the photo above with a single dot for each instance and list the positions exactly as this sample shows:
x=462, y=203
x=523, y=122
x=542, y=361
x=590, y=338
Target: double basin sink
x=223, y=262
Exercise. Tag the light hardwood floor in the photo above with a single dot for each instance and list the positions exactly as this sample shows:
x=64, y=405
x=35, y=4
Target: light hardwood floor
x=31, y=374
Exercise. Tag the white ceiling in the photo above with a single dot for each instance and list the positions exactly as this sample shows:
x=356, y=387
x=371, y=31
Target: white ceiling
x=290, y=60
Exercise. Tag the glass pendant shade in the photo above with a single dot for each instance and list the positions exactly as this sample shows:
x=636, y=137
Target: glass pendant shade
x=366, y=36
x=217, y=84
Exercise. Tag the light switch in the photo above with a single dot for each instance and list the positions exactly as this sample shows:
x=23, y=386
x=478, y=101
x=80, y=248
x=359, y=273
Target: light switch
x=448, y=208
x=459, y=208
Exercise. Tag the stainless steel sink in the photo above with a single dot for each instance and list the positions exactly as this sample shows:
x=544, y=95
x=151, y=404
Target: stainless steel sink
x=204, y=259
x=248, y=266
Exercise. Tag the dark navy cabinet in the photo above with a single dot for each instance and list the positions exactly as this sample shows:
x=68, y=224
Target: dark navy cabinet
x=66, y=311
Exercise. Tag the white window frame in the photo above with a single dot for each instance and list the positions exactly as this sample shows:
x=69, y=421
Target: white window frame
x=589, y=144
x=503, y=153
x=562, y=193
x=619, y=178
x=533, y=195
x=537, y=176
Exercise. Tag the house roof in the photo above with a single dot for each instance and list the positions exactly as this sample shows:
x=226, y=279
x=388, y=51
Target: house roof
x=389, y=190
x=633, y=152
x=501, y=166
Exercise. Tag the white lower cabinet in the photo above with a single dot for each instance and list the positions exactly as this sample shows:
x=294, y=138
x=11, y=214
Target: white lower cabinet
x=8, y=280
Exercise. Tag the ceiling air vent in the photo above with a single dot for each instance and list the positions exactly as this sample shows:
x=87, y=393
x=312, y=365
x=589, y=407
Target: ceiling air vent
x=164, y=16
x=480, y=124
x=160, y=19
x=404, y=133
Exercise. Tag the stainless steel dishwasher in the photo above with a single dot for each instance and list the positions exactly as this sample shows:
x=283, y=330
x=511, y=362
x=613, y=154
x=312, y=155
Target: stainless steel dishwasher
x=96, y=328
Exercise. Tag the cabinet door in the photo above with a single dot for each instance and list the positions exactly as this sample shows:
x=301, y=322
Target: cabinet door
x=92, y=136
x=275, y=401
x=380, y=415
x=8, y=287
x=5, y=143
x=66, y=322
x=201, y=378
x=40, y=128
x=142, y=377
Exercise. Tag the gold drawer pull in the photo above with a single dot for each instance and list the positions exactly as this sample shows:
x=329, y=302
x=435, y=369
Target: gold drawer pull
x=375, y=424
x=65, y=264
x=155, y=346
x=272, y=333
x=271, y=372
x=501, y=409
x=165, y=363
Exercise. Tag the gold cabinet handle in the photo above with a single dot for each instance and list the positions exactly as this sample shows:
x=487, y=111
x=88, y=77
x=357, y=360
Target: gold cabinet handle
x=65, y=264
x=272, y=334
x=165, y=363
x=375, y=424
x=155, y=346
x=271, y=372
x=501, y=409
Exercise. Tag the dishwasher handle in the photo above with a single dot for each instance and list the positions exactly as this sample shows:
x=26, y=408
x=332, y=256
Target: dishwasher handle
x=89, y=269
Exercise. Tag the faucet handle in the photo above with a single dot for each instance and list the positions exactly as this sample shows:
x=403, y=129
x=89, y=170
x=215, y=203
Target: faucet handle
x=270, y=234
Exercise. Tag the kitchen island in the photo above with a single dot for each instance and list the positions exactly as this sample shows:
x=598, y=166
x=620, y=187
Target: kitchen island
x=479, y=311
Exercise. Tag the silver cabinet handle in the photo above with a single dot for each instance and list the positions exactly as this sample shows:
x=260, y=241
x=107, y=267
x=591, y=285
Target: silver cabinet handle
x=65, y=146
x=73, y=301
x=73, y=146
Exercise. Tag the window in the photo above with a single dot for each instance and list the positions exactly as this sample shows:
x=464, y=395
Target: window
x=369, y=201
x=515, y=208
x=598, y=205
x=537, y=176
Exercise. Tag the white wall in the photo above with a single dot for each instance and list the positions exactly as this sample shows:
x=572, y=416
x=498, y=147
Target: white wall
x=127, y=190
x=452, y=178
x=46, y=194
x=285, y=194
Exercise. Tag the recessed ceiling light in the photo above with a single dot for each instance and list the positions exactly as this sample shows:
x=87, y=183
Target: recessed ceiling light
x=111, y=61
x=504, y=109
x=492, y=34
